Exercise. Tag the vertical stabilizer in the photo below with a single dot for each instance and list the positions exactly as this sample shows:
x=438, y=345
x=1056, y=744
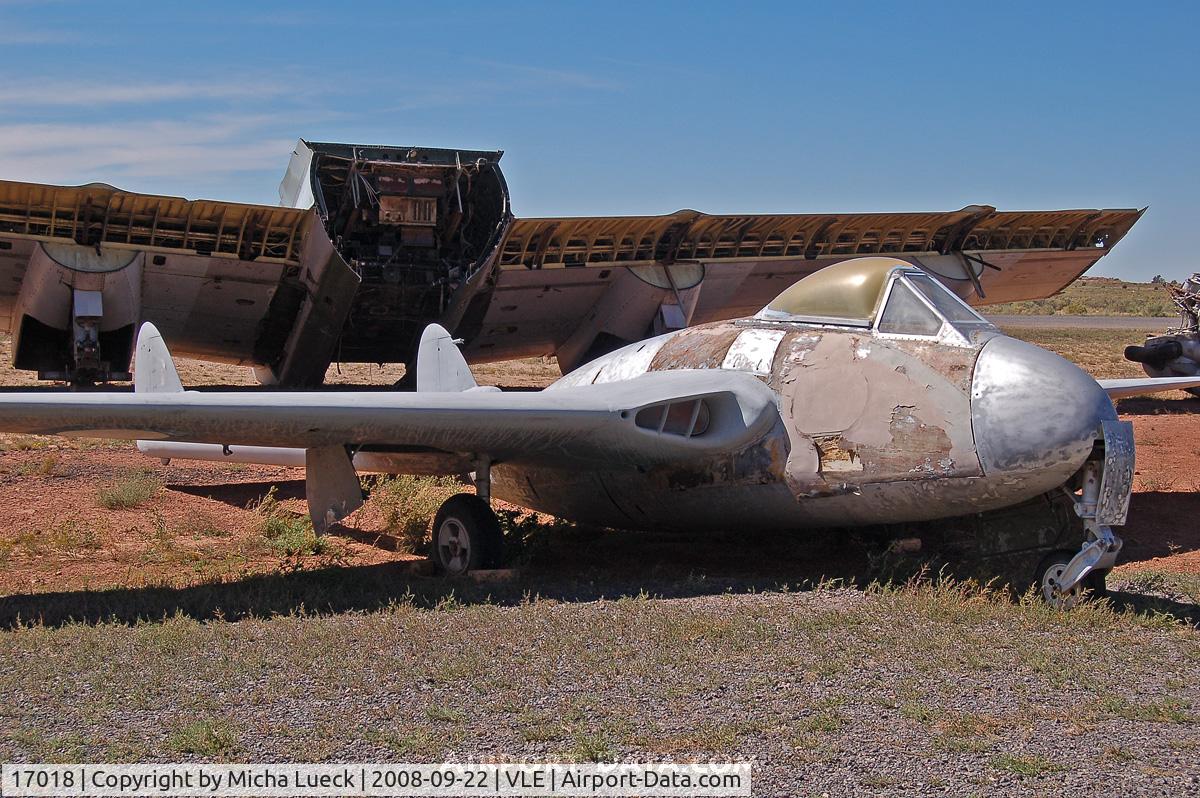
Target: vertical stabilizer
x=440, y=366
x=154, y=371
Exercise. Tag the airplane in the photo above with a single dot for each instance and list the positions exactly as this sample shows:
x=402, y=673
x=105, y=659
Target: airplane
x=370, y=244
x=865, y=394
x=1175, y=353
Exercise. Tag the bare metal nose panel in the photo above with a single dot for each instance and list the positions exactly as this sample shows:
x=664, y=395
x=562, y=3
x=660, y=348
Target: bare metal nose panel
x=1033, y=411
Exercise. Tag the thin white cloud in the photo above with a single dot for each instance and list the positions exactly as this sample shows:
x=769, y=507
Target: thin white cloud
x=495, y=82
x=202, y=150
x=94, y=94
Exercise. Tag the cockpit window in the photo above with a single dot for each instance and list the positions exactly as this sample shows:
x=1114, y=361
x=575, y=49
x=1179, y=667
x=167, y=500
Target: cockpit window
x=889, y=294
x=905, y=314
x=917, y=304
x=844, y=294
x=946, y=303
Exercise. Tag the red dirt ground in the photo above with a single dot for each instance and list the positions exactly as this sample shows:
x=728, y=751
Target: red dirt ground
x=1163, y=532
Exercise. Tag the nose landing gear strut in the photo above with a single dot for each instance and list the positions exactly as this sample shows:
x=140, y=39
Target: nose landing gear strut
x=1104, y=501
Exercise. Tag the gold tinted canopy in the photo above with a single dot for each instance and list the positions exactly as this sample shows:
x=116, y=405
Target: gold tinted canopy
x=846, y=291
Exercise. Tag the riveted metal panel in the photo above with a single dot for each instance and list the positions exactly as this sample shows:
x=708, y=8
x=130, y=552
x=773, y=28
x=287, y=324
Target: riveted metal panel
x=1116, y=484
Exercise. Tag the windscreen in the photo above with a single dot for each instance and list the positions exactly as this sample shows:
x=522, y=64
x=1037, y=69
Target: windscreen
x=946, y=303
x=905, y=314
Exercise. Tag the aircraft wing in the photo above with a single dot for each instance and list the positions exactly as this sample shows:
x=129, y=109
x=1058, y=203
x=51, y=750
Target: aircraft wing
x=381, y=241
x=656, y=419
x=245, y=284
x=611, y=423
x=1121, y=389
x=561, y=285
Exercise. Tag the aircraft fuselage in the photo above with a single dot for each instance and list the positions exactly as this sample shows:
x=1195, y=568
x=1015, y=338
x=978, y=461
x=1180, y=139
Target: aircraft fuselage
x=872, y=429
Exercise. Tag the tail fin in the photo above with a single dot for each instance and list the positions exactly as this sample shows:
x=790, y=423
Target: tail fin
x=154, y=371
x=440, y=366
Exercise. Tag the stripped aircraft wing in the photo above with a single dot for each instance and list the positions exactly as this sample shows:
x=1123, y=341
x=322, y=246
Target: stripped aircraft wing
x=426, y=235
x=604, y=276
x=227, y=282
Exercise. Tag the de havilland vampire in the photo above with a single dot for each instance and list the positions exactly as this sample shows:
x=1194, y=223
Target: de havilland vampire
x=864, y=394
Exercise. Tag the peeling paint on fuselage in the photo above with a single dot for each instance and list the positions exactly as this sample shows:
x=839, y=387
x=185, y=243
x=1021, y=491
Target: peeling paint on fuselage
x=872, y=429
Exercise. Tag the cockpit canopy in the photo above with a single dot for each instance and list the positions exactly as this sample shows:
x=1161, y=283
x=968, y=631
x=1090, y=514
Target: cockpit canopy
x=889, y=294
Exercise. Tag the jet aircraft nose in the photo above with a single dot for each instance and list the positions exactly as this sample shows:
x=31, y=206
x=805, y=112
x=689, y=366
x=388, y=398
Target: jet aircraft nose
x=1035, y=415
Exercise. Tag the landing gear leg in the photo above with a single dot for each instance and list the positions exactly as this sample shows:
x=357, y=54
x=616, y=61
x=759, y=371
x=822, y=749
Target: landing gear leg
x=483, y=479
x=1063, y=578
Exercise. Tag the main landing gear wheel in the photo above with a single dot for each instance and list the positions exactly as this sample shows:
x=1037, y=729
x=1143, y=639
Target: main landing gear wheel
x=466, y=536
x=1051, y=570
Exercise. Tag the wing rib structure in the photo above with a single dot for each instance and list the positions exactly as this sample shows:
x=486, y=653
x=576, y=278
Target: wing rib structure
x=409, y=236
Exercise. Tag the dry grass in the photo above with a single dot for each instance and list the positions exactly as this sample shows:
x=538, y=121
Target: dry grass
x=130, y=489
x=72, y=537
x=288, y=533
x=408, y=504
x=200, y=525
x=212, y=739
x=1183, y=587
x=22, y=443
x=801, y=681
x=1026, y=765
x=69, y=538
x=41, y=468
x=1097, y=296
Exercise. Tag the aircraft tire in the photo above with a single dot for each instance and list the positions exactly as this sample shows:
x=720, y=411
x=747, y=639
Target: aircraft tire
x=466, y=536
x=1092, y=585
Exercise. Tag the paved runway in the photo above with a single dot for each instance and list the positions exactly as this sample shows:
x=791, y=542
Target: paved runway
x=1089, y=322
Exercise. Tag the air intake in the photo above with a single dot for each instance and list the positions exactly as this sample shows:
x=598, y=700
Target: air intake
x=688, y=419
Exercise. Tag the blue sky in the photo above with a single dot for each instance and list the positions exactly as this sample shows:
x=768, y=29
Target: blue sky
x=635, y=107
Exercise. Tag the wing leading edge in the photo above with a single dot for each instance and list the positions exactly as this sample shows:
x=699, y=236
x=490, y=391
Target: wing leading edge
x=592, y=423
x=631, y=424
x=1122, y=389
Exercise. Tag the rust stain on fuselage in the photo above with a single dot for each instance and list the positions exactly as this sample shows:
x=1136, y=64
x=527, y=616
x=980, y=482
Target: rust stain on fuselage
x=703, y=347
